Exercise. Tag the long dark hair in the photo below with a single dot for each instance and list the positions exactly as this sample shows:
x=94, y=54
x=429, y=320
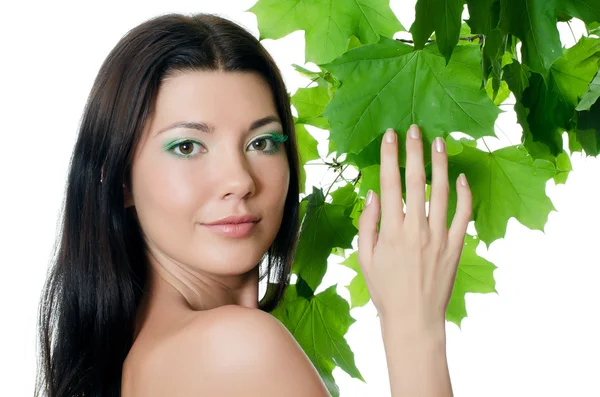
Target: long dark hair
x=98, y=273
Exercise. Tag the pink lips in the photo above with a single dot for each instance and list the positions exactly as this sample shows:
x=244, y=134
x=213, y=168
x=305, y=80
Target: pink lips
x=232, y=229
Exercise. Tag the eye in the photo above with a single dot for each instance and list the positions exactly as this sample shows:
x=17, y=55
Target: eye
x=185, y=148
x=264, y=144
x=268, y=144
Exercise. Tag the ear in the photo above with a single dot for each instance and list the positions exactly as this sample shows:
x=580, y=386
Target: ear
x=128, y=197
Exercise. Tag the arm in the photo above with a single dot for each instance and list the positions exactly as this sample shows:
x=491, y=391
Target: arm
x=416, y=360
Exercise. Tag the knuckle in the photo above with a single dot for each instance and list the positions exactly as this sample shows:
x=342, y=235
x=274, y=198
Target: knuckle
x=417, y=178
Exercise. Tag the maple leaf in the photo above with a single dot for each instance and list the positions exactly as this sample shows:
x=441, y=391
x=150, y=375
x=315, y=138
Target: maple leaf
x=552, y=101
x=505, y=183
x=474, y=274
x=310, y=103
x=319, y=323
x=359, y=293
x=591, y=96
x=484, y=17
x=441, y=16
x=388, y=84
x=534, y=22
x=324, y=227
x=345, y=196
x=328, y=24
x=307, y=151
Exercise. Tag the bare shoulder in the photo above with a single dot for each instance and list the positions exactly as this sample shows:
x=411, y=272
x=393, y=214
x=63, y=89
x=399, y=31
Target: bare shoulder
x=231, y=351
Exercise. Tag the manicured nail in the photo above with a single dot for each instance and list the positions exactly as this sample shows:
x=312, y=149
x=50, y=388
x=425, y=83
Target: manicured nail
x=414, y=131
x=439, y=144
x=369, y=197
x=390, y=135
x=463, y=179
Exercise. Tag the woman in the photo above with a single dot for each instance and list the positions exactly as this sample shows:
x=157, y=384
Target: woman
x=183, y=179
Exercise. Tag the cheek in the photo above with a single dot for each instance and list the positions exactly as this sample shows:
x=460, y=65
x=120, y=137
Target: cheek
x=166, y=199
x=276, y=182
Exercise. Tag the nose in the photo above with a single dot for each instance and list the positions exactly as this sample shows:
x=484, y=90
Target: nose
x=234, y=177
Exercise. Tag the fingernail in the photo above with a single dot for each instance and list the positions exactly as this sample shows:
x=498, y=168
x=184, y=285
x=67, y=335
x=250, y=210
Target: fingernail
x=414, y=131
x=369, y=197
x=439, y=144
x=390, y=135
x=463, y=179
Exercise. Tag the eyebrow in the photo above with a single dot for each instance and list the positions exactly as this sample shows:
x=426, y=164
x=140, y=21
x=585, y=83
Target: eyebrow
x=200, y=126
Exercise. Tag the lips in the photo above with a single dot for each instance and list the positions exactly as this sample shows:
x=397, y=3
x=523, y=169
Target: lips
x=234, y=230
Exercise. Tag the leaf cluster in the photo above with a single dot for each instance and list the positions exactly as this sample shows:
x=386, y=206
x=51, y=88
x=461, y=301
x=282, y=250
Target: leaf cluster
x=453, y=76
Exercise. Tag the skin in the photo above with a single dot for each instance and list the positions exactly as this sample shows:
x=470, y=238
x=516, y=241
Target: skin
x=192, y=268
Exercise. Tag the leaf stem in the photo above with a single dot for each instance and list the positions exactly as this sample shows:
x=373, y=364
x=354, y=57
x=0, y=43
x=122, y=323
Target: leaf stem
x=488, y=148
x=336, y=178
x=572, y=33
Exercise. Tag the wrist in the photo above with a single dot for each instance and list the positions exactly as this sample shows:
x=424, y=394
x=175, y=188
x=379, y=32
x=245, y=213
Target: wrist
x=414, y=330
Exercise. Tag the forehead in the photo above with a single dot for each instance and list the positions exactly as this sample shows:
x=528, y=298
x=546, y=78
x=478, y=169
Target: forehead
x=225, y=99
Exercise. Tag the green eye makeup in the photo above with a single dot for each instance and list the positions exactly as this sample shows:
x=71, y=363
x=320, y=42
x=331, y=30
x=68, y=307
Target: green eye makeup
x=184, y=147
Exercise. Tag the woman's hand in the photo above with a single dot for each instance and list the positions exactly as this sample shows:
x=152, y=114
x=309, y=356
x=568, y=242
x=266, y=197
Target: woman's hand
x=410, y=265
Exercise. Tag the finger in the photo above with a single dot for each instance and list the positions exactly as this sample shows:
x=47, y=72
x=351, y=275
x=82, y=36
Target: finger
x=458, y=229
x=390, y=183
x=415, y=178
x=438, y=201
x=367, y=231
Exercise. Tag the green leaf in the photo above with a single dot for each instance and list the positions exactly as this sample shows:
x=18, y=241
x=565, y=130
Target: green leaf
x=552, y=102
x=328, y=24
x=517, y=78
x=534, y=22
x=493, y=52
x=501, y=94
x=310, y=103
x=345, y=196
x=441, y=16
x=588, y=130
x=474, y=274
x=319, y=323
x=325, y=226
x=504, y=183
x=574, y=145
x=484, y=18
x=563, y=168
x=591, y=96
x=353, y=43
x=481, y=15
x=359, y=293
x=307, y=151
x=370, y=180
x=357, y=211
x=389, y=85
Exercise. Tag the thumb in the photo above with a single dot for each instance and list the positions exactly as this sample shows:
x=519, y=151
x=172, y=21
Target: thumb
x=367, y=230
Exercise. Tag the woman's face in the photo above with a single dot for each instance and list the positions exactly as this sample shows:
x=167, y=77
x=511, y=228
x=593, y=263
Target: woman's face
x=183, y=177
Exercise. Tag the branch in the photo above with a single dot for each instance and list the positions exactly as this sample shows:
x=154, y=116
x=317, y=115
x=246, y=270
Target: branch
x=470, y=39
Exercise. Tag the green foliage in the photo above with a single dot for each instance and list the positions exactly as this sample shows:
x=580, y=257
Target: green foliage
x=319, y=323
x=328, y=24
x=452, y=76
x=534, y=23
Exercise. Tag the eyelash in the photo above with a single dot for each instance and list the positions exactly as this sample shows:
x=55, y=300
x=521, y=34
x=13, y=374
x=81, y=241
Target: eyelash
x=274, y=138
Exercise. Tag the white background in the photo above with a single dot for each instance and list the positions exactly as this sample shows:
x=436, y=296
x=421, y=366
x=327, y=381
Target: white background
x=537, y=337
